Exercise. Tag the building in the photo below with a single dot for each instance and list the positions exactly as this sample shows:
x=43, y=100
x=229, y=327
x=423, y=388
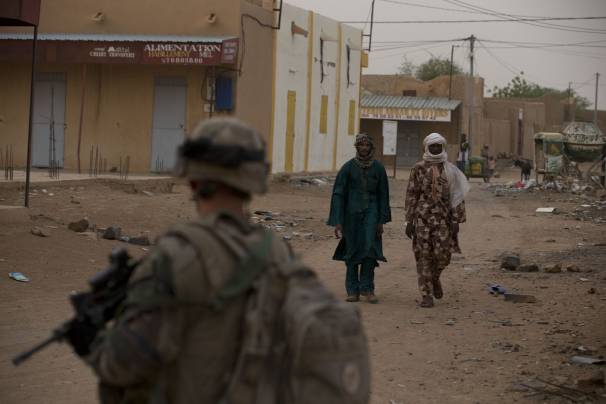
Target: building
x=132, y=79
x=412, y=119
x=317, y=88
x=506, y=125
x=422, y=107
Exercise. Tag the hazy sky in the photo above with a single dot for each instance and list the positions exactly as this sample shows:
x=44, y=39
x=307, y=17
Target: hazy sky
x=497, y=62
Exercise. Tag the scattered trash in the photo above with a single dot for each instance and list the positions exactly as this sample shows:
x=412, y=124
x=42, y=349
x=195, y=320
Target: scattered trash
x=144, y=249
x=546, y=210
x=587, y=360
x=416, y=322
x=79, y=226
x=517, y=298
x=141, y=240
x=18, y=276
x=147, y=193
x=36, y=231
x=112, y=233
x=450, y=321
x=582, y=348
x=496, y=289
x=584, y=279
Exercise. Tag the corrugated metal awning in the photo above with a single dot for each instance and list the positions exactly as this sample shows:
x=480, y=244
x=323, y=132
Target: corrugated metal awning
x=113, y=37
x=392, y=101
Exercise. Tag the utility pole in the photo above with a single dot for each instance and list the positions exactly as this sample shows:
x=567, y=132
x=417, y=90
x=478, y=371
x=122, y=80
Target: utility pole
x=570, y=114
x=595, y=104
x=450, y=80
x=472, y=40
x=372, y=20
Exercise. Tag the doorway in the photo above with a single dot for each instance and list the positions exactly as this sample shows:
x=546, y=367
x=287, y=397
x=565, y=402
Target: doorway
x=48, y=138
x=168, y=127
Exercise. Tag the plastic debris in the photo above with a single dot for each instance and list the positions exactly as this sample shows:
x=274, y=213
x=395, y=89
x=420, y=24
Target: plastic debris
x=495, y=289
x=587, y=360
x=18, y=276
x=546, y=210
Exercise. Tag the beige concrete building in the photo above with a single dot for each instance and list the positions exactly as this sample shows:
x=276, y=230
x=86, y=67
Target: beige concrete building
x=134, y=78
x=507, y=126
x=433, y=96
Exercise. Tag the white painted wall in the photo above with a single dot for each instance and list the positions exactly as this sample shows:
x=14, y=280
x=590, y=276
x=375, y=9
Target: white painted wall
x=321, y=145
x=352, y=37
x=291, y=75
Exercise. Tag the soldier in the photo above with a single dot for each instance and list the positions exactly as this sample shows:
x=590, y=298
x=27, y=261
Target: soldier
x=434, y=208
x=358, y=210
x=169, y=346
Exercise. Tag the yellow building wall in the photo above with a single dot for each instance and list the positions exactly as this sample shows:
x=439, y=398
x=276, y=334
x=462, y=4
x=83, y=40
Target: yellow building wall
x=118, y=110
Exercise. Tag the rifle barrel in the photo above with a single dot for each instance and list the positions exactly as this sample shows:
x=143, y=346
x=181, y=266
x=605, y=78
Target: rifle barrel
x=57, y=336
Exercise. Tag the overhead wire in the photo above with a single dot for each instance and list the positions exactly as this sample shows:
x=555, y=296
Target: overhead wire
x=480, y=21
x=511, y=17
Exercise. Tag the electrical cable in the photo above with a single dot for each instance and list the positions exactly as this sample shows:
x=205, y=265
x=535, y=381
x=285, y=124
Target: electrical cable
x=482, y=21
x=511, y=17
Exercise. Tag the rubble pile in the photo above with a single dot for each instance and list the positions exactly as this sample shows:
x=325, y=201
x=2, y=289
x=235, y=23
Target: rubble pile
x=282, y=224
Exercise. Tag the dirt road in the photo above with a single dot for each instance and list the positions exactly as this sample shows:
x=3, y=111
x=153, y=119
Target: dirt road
x=471, y=348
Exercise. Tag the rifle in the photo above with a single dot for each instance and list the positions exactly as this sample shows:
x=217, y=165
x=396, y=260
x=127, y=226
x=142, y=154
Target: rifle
x=98, y=305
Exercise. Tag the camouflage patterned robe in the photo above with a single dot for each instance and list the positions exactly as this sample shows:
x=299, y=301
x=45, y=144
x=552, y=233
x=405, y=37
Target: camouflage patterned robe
x=433, y=243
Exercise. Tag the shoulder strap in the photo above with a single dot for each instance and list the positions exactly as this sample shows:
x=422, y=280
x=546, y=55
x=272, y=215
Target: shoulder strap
x=248, y=270
x=250, y=264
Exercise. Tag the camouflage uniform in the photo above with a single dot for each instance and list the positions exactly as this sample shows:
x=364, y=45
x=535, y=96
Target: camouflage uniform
x=171, y=343
x=169, y=346
x=433, y=242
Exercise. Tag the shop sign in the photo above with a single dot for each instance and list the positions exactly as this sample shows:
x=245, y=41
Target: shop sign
x=181, y=53
x=390, y=137
x=131, y=52
x=407, y=114
x=112, y=52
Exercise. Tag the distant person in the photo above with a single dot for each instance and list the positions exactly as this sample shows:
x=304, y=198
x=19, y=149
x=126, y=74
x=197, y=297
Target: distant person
x=358, y=210
x=463, y=152
x=434, y=208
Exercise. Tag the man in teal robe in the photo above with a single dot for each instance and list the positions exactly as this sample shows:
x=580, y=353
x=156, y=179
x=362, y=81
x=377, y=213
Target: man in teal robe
x=358, y=210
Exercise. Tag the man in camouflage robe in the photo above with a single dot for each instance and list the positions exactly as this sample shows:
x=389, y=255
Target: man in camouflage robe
x=434, y=208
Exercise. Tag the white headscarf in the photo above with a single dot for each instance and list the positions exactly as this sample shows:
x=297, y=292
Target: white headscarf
x=457, y=182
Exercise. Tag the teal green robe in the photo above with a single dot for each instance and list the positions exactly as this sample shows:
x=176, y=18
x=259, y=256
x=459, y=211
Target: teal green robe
x=360, y=202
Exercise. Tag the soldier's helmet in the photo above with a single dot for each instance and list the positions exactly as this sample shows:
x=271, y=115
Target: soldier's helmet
x=228, y=151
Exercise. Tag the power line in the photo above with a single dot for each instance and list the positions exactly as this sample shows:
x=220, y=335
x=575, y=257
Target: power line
x=511, y=17
x=506, y=65
x=476, y=20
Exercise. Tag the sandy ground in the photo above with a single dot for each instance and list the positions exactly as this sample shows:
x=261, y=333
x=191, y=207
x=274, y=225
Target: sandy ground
x=471, y=348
